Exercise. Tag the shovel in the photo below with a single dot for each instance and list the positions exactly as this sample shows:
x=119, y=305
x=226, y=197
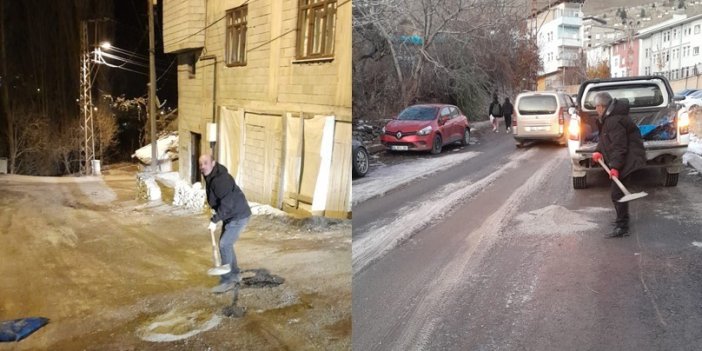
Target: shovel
x=627, y=195
x=218, y=268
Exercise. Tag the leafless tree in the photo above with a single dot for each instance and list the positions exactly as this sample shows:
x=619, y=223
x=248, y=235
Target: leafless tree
x=446, y=50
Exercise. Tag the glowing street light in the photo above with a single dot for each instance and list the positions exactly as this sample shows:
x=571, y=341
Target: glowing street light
x=105, y=45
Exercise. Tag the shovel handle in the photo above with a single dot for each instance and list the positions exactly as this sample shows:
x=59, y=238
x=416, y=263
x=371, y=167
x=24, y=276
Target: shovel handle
x=215, y=250
x=615, y=179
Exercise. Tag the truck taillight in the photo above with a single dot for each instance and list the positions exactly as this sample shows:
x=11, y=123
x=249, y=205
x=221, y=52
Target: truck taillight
x=562, y=116
x=574, y=129
x=684, y=123
x=514, y=121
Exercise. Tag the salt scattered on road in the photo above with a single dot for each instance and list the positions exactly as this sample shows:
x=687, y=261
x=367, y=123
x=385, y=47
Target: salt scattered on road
x=384, y=179
x=556, y=220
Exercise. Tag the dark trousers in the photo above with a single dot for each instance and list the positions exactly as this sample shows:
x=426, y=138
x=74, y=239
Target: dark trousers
x=622, y=208
x=508, y=121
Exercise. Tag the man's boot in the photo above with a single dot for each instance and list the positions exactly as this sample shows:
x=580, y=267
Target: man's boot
x=618, y=232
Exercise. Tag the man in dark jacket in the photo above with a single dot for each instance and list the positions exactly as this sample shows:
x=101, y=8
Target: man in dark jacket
x=621, y=148
x=231, y=207
x=495, y=112
x=507, y=110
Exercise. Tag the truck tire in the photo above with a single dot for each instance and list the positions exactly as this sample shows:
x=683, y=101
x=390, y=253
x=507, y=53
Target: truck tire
x=671, y=179
x=579, y=182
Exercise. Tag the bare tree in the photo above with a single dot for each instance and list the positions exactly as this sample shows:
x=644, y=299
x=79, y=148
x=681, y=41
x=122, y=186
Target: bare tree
x=446, y=50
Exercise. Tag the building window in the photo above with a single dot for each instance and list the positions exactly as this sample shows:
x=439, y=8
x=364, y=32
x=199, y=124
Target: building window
x=236, y=36
x=675, y=33
x=315, y=29
x=696, y=51
x=646, y=53
x=697, y=29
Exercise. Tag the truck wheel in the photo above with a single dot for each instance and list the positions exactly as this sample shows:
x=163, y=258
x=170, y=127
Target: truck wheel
x=579, y=182
x=671, y=179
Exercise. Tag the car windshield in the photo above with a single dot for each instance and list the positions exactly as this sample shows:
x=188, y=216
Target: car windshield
x=418, y=113
x=639, y=95
x=537, y=105
x=696, y=94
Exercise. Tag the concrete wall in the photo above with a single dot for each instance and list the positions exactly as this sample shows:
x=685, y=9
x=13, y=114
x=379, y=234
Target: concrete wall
x=270, y=92
x=182, y=19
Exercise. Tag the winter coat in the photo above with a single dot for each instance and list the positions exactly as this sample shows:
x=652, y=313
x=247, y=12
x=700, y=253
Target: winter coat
x=507, y=109
x=498, y=106
x=224, y=196
x=620, y=140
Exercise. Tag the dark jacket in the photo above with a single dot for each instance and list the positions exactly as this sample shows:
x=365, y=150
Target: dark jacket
x=498, y=106
x=224, y=196
x=507, y=109
x=620, y=140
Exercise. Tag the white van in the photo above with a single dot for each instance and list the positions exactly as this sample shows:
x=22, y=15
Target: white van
x=541, y=115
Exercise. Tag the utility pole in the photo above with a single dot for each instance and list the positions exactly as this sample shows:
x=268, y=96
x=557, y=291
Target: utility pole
x=152, y=86
x=87, y=147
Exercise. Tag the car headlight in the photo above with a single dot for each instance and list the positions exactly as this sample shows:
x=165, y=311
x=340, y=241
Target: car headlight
x=425, y=131
x=684, y=120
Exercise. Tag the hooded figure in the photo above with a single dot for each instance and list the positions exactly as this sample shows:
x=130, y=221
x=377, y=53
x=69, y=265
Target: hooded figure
x=621, y=148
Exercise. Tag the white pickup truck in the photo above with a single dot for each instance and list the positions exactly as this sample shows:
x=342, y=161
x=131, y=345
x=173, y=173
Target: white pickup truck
x=664, y=127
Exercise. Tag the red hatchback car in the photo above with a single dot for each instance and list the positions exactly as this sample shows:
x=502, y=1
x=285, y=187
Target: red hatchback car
x=426, y=127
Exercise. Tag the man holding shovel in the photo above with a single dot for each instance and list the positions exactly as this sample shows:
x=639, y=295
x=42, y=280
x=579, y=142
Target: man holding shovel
x=231, y=207
x=620, y=146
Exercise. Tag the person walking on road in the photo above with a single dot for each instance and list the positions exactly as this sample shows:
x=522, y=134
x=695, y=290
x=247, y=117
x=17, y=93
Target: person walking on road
x=507, y=110
x=621, y=148
x=495, y=112
x=231, y=207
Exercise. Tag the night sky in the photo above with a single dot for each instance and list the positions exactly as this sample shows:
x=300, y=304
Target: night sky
x=130, y=27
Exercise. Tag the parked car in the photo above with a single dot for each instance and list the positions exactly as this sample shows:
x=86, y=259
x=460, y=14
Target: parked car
x=685, y=93
x=541, y=115
x=360, y=159
x=692, y=102
x=664, y=128
x=426, y=127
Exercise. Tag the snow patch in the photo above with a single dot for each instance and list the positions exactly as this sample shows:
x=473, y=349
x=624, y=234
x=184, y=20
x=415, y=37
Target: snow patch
x=695, y=145
x=261, y=209
x=147, y=189
x=166, y=149
x=556, y=220
x=385, y=179
x=189, y=196
x=697, y=243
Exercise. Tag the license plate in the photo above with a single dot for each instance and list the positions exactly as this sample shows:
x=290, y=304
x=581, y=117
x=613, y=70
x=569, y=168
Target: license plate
x=537, y=129
x=399, y=147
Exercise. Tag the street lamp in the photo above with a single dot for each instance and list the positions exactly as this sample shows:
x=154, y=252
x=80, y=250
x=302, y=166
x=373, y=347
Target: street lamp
x=105, y=45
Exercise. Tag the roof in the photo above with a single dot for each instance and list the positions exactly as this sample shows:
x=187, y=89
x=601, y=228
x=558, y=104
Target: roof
x=556, y=3
x=666, y=25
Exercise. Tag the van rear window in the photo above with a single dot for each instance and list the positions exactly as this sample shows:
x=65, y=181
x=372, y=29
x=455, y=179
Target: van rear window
x=537, y=105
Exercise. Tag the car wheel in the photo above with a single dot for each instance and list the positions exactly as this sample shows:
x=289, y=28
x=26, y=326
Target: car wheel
x=519, y=143
x=436, y=145
x=466, y=137
x=360, y=162
x=671, y=179
x=579, y=182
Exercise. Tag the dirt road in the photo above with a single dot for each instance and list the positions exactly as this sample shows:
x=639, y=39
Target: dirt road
x=110, y=272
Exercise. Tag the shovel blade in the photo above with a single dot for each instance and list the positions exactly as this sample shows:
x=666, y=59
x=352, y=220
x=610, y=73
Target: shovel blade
x=220, y=270
x=631, y=197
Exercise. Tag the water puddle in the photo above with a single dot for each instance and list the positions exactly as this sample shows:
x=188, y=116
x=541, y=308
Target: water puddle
x=178, y=325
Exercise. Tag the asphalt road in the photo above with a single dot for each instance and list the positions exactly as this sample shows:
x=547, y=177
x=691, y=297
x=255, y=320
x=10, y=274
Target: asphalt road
x=521, y=263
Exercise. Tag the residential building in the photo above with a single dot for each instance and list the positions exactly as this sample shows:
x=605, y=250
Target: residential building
x=672, y=48
x=558, y=35
x=267, y=84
